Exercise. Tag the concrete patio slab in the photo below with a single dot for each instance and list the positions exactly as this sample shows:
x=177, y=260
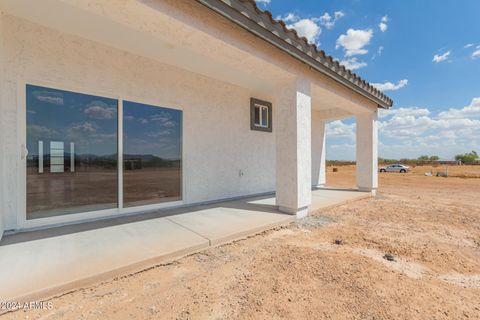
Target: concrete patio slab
x=324, y=198
x=232, y=220
x=44, y=265
x=46, y=262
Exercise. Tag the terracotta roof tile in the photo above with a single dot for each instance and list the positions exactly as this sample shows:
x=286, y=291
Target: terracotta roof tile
x=308, y=49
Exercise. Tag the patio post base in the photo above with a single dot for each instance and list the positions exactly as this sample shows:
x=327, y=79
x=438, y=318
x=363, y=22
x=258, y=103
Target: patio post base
x=298, y=212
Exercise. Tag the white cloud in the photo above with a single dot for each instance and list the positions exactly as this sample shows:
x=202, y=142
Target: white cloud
x=340, y=151
x=388, y=86
x=408, y=132
x=417, y=120
x=100, y=110
x=468, y=45
x=339, y=14
x=328, y=21
x=439, y=58
x=264, y=2
x=353, y=63
x=164, y=118
x=471, y=111
x=161, y=133
x=49, y=97
x=289, y=17
x=310, y=28
x=379, y=52
x=383, y=24
x=402, y=112
x=340, y=130
x=354, y=41
x=476, y=54
x=82, y=128
x=41, y=132
x=307, y=28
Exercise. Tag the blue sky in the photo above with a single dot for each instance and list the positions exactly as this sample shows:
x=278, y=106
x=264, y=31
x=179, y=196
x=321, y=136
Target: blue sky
x=56, y=115
x=152, y=130
x=424, y=54
x=91, y=123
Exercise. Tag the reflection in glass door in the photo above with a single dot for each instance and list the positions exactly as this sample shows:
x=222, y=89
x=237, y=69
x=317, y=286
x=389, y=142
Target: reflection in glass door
x=72, y=152
x=152, y=154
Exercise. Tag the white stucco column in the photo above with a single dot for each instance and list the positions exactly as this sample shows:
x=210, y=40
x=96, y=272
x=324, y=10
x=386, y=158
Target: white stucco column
x=367, y=152
x=293, y=147
x=318, y=150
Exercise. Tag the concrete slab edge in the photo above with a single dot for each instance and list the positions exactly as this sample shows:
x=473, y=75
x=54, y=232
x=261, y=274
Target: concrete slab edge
x=124, y=271
x=65, y=288
x=362, y=197
x=144, y=265
x=252, y=232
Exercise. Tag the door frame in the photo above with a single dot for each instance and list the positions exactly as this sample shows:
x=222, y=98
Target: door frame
x=22, y=222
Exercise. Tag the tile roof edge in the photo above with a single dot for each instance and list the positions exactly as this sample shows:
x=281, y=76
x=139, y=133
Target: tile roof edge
x=321, y=61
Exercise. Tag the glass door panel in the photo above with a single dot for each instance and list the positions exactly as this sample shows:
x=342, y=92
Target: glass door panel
x=72, y=152
x=152, y=154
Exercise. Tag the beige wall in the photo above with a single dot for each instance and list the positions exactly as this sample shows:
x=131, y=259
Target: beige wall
x=318, y=149
x=141, y=50
x=2, y=151
x=218, y=142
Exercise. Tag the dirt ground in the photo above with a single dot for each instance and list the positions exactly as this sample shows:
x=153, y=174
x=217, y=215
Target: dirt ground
x=431, y=226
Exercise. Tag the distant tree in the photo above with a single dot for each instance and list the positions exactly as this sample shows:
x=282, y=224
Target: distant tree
x=467, y=157
x=434, y=158
x=424, y=158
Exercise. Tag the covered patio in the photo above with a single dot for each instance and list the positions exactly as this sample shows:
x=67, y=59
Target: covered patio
x=206, y=60
x=46, y=262
x=248, y=98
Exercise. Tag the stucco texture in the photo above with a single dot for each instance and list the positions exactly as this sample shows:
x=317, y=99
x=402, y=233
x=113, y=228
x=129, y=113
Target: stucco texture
x=141, y=51
x=217, y=140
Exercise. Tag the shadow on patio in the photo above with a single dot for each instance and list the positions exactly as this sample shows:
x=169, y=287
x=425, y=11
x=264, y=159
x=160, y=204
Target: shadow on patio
x=69, y=256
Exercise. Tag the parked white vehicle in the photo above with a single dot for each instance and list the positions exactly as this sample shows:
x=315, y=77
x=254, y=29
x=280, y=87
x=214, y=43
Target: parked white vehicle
x=395, y=168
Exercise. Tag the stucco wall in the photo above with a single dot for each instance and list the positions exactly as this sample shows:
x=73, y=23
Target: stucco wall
x=217, y=139
x=2, y=152
x=318, y=149
x=293, y=190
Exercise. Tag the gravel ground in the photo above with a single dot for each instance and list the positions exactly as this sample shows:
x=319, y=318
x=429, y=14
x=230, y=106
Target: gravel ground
x=430, y=226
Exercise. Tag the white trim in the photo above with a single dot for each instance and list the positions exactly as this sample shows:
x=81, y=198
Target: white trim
x=120, y=153
x=22, y=164
x=40, y=156
x=260, y=116
x=152, y=207
x=72, y=157
x=22, y=222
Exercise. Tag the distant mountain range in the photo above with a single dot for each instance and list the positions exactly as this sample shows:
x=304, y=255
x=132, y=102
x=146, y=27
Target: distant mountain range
x=147, y=160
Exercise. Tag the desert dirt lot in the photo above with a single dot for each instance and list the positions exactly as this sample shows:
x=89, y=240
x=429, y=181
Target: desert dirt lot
x=431, y=225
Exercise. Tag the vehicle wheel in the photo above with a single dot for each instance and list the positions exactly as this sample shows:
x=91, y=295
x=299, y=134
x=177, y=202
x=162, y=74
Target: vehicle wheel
x=403, y=171
x=383, y=170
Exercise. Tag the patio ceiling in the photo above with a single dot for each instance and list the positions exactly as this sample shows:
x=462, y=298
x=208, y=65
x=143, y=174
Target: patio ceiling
x=187, y=35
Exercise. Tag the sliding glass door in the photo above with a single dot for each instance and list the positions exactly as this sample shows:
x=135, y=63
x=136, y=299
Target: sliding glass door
x=72, y=152
x=152, y=154
x=72, y=163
